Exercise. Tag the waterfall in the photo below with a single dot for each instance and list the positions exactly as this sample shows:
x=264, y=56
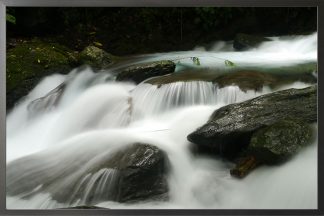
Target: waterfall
x=60, y=138
x=154, y=99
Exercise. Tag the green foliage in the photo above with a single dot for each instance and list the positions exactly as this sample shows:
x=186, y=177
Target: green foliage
x=195, y=60
x=10, y=18
x=229, y=63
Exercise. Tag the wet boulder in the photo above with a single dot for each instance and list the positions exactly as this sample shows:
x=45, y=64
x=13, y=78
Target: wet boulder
x=96, y=57
x=245, y=41
x=143, y=170
x=141, y=72
x=230, y=128
x=132, y=173
x=273, y=145
x=280, y=140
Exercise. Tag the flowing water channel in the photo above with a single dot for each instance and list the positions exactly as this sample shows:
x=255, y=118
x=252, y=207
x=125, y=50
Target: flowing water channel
x=97, y=115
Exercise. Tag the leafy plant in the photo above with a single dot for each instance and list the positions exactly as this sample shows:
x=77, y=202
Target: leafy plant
x=10, y=18
x=196, y=61
x=229, y=63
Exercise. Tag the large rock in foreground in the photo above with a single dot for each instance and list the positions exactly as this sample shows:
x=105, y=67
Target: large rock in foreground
x=279, y=141
x=143, y=170
x=141, y=72
x=133, y=173
x=273, y=145
x=230, y=128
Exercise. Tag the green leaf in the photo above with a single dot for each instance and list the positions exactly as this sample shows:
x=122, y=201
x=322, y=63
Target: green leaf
x=195, y=60
x=229, y=63
x=10, y=18
x=98, y=44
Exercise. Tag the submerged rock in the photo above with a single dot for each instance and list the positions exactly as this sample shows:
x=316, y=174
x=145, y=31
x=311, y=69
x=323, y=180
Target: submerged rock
x=141, y=72
x=245, y=41
x=231, y=127
x=246, y=80
x=274, y=144
x=48, y=102
x=96, y=57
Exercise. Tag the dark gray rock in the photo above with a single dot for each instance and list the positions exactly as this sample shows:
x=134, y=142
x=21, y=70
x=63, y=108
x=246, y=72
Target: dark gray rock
x=273, y=145
x=143, y=170
x=141, y=72
x=245, y=41
x=280, y=141
x=230, y=128
x=135, y=173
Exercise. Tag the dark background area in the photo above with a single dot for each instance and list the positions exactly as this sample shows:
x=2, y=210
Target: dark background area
x=125, y=31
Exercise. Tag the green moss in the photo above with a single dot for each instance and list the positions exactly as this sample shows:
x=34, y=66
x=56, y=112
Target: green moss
x=31, y=59
x=96, y=57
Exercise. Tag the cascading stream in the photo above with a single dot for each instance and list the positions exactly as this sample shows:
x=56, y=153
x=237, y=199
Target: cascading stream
x=62, y=148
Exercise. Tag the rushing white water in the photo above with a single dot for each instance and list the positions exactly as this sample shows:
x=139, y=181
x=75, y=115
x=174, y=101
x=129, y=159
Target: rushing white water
x=96, y=116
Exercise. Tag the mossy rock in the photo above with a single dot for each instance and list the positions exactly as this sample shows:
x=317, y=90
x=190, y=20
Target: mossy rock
x=96, y=57
x=246, y=80
x=29, y=61
x=280, y=140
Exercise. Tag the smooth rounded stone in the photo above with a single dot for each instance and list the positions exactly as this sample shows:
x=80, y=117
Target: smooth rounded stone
x=141, y=72
x=245, y=41
x=137, y=172
x=143, y=169
x=230, y=128
x=96, y=57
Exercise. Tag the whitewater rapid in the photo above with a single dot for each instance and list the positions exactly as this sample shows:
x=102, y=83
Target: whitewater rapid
x=97, y=115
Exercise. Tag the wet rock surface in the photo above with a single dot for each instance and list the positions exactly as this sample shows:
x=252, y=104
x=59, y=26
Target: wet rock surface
x=231, y=127
x=273, y=145
x=135, y=173
x=96, y=57
x=141, y=72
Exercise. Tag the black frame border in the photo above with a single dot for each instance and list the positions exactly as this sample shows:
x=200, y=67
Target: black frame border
x=159, y=3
